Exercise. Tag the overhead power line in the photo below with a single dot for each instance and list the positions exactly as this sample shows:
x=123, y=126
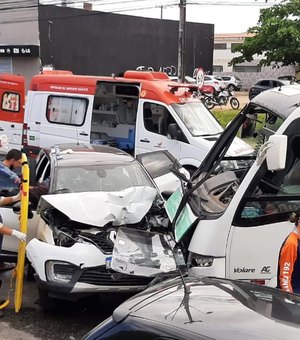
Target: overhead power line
x=24, y=11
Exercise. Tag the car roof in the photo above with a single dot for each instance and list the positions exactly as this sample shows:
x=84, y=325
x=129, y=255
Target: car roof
x=280, y=100
x=214, y=307
x=86, y=154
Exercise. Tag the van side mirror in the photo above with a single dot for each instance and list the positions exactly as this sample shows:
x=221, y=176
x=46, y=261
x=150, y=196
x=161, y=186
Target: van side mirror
x=276, y=149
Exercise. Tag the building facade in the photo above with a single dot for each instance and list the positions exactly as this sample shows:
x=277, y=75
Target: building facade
x=19, y=38
x=248, y=72
x=93, y=42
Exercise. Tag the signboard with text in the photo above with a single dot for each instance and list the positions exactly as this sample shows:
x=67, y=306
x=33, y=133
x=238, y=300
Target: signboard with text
x=19, y=51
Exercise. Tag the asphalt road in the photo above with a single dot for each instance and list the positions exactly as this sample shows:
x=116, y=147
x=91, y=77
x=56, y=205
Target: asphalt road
x=70, y=321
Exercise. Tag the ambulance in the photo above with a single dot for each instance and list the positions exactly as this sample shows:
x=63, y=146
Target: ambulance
x=139, y=111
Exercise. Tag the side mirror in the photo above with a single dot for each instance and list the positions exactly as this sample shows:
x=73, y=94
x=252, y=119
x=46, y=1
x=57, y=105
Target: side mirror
x=17, y=209
x=274, y=150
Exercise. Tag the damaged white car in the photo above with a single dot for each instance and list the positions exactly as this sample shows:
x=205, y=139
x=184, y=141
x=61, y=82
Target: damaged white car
x=91, y=194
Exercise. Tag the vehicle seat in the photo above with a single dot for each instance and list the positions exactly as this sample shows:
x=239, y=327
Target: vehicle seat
x=149, y=125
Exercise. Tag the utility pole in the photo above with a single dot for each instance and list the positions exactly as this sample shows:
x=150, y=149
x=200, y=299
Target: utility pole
x=181, y=41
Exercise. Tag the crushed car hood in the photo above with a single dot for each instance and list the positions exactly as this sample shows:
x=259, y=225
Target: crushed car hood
x=128, y=206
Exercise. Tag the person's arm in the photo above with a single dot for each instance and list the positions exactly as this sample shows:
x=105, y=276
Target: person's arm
x=9, y=199
x=8, y=231
x=287, y=258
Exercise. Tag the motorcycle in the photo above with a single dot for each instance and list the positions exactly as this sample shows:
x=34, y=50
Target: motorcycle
x=221, y=98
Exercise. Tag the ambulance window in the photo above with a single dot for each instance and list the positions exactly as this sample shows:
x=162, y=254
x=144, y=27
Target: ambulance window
x=157, y=118
x=66, y=110
x=10, y=102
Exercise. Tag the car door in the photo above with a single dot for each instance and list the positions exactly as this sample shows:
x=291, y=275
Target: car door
x=152, y=129
x=159, y=164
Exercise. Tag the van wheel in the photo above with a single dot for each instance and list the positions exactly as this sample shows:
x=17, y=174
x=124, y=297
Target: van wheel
x=45, y=301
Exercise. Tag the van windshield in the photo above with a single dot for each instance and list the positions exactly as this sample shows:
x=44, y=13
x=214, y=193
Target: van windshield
x=198, y=120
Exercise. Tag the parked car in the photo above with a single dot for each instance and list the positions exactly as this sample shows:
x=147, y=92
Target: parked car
x=203, y=308
x=92, y=192
x=216, y=82
x=290, y=78
x=266, y=84
x=232, y=83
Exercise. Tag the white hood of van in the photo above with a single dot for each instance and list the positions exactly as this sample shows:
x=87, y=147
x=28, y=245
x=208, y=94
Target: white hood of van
x=98, y=208
x=237, y=148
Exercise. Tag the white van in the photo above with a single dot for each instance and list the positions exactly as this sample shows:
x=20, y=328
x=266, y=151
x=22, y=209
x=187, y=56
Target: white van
x=138, y=112
x=233, y=222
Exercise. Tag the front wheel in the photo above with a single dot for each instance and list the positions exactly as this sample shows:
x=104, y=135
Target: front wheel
x=231, y=87
x=209, y=103
x=234, y=102
x=45, y=301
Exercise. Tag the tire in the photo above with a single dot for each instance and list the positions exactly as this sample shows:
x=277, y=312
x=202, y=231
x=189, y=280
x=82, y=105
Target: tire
x=231, y=87
x=46, y=302
x=30, y=273
x=209, y=103
x=234, y=102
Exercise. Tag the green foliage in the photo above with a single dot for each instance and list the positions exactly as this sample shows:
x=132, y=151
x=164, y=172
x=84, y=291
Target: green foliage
x=224, y=116
x=276, y=37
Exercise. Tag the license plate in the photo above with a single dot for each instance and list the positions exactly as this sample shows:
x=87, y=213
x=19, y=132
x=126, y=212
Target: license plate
x=108, y=262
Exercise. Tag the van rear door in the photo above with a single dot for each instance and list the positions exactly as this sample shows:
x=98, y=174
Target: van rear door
x=12, y=95
x=55, y=118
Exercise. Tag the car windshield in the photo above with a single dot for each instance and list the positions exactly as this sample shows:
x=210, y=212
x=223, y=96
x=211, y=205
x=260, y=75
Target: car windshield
x=198, y=120
x=104, y=177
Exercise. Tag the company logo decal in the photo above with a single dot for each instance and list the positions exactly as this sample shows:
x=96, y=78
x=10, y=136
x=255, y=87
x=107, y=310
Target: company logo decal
x=243, y=270
x=266, y=270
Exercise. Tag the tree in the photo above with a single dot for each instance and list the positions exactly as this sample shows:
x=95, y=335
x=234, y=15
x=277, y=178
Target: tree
x=276, y=37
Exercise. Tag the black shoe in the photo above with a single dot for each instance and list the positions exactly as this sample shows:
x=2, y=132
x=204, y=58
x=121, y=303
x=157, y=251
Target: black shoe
x=6, y=266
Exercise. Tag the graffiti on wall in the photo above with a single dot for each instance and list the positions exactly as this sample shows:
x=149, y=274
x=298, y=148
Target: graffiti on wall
x=169, y=70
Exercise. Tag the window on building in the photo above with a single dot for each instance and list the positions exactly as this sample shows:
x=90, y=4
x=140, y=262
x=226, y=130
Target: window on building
x=217, y=68
x=252, y=69
x=220, y=46
x=6, y=65
x=66, y=110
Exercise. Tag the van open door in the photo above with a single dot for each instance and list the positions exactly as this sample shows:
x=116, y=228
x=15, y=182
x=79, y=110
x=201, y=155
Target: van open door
x=12, y=96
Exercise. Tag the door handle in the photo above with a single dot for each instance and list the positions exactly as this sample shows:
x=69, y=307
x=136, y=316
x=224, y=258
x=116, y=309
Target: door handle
x=145, y=140
x=83, y=134
x=1, y=129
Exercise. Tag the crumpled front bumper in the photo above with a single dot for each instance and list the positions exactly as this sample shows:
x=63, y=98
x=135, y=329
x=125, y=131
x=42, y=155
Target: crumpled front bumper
x=86, y=266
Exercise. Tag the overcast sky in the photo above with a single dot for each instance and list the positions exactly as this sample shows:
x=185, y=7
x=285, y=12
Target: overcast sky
x=228, y=16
